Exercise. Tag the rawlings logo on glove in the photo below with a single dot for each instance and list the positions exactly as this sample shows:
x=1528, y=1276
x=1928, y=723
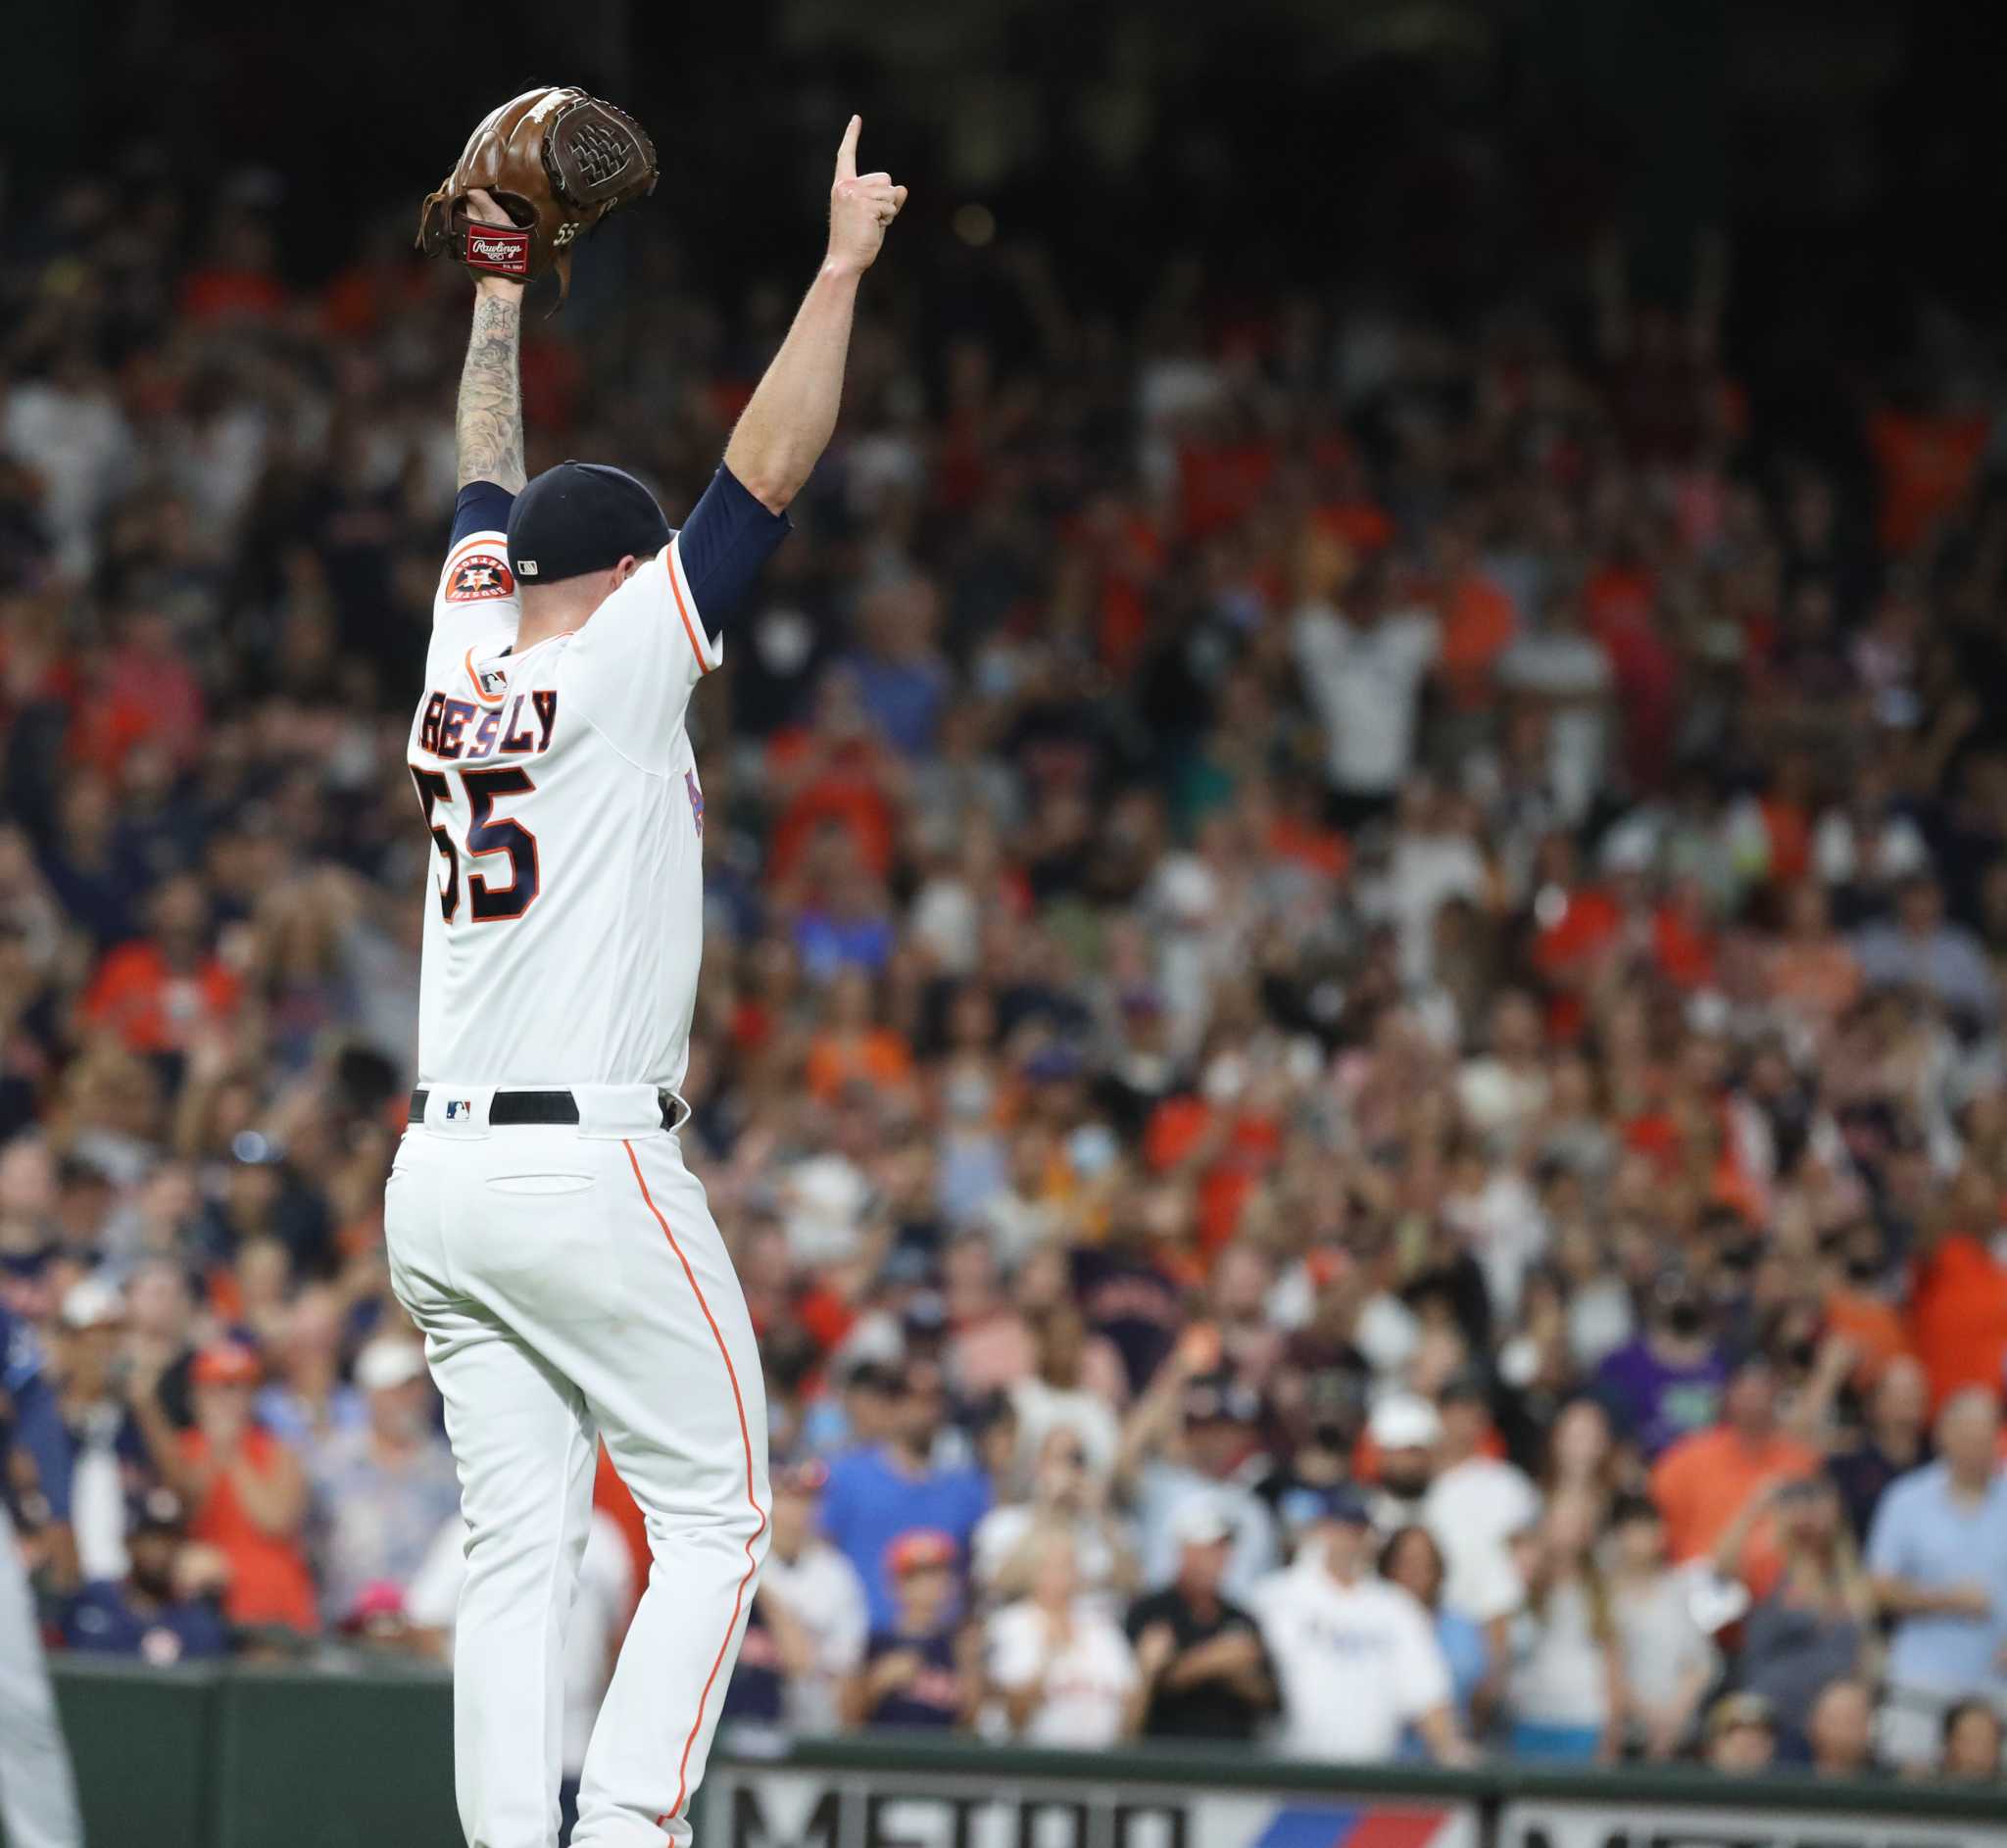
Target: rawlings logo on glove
x=506, y=253
x=558, y=160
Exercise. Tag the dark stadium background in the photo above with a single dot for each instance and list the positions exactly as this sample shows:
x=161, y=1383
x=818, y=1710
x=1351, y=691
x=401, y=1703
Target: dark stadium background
x=1849, y=148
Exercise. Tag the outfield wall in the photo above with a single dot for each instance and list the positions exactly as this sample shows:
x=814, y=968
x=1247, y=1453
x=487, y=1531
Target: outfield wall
x=247, y=1757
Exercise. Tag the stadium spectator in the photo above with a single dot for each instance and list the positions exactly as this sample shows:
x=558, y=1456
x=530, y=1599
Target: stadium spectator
x=164, y=1608
x=245, y=1491
x=1401, y=1436
x=108, y=1454
x=1958, y=1297
x=1581, y=1451
x=1705, y=1480
x=1365, y=664
x=35, y=1452
x=1839, y=1731
x=309, y=1403
x=1412, y=1559
x=1815, y=1625
x=160, y=1344
x=1742, y=1735
x=1475, y=1504
x=924, y=1668
x=1201, y=1657
x=1893, y=1440
x=1504, y=1091
x=1667, y=1383
x=1062, y=1668
x=160, y=992
x=1565, y=1691
x=382, y=1492
x=1970, y=1742
x=1188, y=1438
x=68, y=428
x=1812, y=975
x=1921, y=949
x=813, y=1601
x=1668, y=1662
x=878, y=1492
x=1356, y=1660
x=903, y=680
x=1066, y=1492
x=1937, y=1552
x=1059, y=1392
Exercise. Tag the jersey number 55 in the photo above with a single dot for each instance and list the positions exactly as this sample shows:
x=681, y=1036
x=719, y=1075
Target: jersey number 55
x=486, y=833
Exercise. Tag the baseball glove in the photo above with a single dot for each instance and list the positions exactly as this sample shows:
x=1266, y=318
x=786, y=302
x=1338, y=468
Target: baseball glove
x=557, y=160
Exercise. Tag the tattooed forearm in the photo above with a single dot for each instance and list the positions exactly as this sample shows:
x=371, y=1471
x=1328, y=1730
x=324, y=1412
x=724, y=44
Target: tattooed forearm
x=489, y=422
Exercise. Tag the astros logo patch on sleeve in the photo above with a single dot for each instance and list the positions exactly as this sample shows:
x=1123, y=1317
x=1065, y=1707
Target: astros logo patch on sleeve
x=479, y=577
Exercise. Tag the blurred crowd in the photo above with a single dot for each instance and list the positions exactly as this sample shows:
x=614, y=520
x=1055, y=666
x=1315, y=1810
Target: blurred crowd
x=1351, y=1032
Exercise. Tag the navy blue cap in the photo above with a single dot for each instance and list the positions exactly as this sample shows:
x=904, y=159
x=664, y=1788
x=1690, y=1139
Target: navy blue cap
x=1342, y=1502
x=579, y=518
x=1055, y=1061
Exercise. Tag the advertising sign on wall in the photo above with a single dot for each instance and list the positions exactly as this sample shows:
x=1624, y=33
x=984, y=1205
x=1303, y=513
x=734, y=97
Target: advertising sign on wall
x=755, y=1806
x=1544, y=1824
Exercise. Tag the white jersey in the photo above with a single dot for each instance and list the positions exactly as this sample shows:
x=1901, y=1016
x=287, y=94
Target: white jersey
x=565, y=928
x=1084, y=1688
x=1355, y=1663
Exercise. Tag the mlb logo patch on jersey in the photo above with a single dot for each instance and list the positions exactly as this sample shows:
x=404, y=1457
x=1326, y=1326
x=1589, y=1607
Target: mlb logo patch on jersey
x=459, y=1107
x=478, y=578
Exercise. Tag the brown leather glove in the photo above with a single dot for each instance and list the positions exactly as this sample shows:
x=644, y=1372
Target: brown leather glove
x=557, y=160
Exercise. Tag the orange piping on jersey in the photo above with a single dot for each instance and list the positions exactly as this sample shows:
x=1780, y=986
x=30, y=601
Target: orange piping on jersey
x=759, y=1513
x=675, y=591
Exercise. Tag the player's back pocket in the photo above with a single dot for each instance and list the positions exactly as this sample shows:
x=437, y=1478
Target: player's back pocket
x=542, y=1182
x=533, y=1243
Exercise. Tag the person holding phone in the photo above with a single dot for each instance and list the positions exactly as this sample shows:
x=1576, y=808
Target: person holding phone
x=1196, y=1434
x=1069, y=1494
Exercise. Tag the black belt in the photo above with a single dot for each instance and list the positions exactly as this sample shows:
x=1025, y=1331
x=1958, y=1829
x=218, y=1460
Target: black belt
x=509, y=1108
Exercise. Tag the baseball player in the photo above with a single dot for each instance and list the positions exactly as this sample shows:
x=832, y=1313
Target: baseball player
x=37, y=1792
x=544, y=1232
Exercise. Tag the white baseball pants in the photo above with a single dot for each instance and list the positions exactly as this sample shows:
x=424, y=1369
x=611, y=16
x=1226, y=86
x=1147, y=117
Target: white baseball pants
x=571, y=1285
x=37, y=1790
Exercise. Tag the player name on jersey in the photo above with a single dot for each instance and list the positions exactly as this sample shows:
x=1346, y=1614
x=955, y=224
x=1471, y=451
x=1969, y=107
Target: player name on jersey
x=518, y=727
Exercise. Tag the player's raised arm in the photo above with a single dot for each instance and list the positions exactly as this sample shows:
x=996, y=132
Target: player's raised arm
x=488, y=424
x=787, y=424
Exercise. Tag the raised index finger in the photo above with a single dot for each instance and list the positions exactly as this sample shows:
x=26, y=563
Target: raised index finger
x=847, y=155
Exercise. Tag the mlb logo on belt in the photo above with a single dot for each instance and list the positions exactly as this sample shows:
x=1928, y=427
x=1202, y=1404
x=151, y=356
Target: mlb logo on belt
x=458, y=1106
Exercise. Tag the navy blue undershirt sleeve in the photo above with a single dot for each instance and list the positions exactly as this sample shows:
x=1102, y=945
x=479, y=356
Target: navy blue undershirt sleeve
x=40, y=1431
x=726, y=539
x=481, y=507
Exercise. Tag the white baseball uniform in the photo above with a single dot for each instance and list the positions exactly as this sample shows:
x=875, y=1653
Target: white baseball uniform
x=38, y=1791
x=569, y=1278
